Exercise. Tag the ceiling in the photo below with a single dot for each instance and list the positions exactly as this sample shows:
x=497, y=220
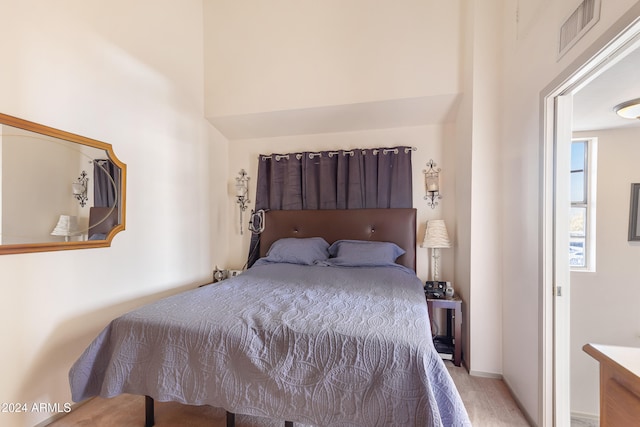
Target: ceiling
x=592, y=109
x=593, y=104
x=340, y=118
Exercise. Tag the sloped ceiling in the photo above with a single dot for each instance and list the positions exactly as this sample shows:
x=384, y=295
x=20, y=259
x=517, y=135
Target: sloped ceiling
x=593, y=105
x=341, y=118
x=289, y=67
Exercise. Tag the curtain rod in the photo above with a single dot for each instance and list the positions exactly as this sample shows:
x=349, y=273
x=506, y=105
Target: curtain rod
x=343, y=152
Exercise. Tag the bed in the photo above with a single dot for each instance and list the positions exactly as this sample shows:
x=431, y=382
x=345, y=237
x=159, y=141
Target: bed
x=336, y=340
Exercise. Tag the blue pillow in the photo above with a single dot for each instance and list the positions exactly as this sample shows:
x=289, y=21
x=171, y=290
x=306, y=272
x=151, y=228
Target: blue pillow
x=306, y=251
x=364, y=253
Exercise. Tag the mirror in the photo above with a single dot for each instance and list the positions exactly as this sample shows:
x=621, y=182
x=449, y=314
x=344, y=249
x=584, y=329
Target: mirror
x=58, y=190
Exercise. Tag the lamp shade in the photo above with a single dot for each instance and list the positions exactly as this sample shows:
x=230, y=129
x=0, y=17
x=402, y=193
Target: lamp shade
x=436, y=235
x=67, y=226
x=78, y=188
x=241, y=189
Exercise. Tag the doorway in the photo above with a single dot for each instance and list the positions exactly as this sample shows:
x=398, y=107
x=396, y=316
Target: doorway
x=558, y=105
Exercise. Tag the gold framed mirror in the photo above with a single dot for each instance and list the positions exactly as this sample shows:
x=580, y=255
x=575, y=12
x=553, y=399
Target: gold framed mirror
x=58, y=190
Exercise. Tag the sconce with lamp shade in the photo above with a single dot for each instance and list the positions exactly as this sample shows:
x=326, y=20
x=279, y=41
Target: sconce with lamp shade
x=432, y=184
x=242, y=193
x=79, y=188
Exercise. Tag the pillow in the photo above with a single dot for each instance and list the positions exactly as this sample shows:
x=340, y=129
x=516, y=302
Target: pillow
x=306, y=251
x=355, y=253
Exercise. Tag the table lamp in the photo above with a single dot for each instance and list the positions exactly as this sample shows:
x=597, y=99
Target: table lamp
x=67, y=226
x=436, y=237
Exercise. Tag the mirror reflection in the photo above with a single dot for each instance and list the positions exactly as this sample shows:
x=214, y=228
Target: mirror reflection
x=58, y=190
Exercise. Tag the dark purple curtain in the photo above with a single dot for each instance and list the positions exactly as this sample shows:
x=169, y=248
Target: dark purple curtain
x=106, y=181
x=342, y=179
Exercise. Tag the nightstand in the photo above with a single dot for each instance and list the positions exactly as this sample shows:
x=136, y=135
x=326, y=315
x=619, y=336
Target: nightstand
x=449, y=344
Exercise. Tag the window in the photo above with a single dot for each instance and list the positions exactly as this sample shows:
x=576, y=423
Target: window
x=582, y=215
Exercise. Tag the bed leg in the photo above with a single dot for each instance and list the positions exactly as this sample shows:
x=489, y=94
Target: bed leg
x=149, y=420
x=288, y=424
x=231, y=419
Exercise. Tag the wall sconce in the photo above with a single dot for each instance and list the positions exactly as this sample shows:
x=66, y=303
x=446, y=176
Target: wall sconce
x=79, y=188
x=432, y=184
x=242, y=193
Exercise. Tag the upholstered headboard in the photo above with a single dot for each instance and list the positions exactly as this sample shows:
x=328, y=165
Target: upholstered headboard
x=383, y=225
x=102, y=220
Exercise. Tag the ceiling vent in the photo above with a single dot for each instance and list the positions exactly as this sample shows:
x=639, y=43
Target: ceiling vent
x=577, y=25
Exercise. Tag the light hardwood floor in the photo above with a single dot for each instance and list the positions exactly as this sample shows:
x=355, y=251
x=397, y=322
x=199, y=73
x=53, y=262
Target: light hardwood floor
x=487, y=400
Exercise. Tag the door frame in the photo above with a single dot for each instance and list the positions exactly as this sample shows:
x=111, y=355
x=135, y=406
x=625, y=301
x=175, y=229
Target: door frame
x=556, y=106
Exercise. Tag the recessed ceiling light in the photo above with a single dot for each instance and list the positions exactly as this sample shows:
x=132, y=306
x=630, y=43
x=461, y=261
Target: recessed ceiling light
x=629, y=109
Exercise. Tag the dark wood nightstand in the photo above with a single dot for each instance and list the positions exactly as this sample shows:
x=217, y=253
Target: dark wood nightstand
x=450, y=343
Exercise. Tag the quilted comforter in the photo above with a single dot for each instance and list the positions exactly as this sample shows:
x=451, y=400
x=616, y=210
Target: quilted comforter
x=317, y=345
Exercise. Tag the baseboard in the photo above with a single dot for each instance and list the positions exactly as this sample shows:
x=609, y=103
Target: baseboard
x=485, y=375
x=591, y=419
x=519, y=405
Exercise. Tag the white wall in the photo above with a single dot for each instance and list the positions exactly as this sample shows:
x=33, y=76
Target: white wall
x=478, y=245
x=432, y=142
x=530, y=65
x=130, y=74
x=463, y=154
x=604, y=303
x=287, y=54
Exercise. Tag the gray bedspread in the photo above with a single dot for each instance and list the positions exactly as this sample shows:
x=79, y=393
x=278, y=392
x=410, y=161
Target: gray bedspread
x=326, y=346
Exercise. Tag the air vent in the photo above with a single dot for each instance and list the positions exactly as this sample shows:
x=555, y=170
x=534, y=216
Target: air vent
x=577, y=25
